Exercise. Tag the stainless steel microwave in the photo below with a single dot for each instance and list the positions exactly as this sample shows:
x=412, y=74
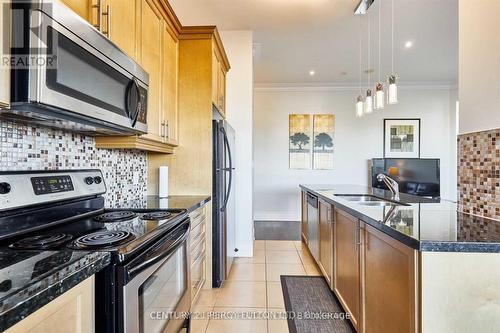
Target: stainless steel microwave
x=73, y=77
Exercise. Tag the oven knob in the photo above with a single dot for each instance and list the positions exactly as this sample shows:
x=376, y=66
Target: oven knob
x=97, y=179
x=89, y=180
x=4, y=188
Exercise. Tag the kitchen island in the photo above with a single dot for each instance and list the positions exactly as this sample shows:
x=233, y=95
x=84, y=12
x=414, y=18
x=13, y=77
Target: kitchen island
x=412, y=265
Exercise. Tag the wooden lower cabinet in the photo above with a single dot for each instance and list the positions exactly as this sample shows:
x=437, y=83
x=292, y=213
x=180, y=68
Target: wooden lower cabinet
x=304, y=217
x=347, y=272
x=197, y=246
x=72, y=311
x=390, y=284
x=326, y=240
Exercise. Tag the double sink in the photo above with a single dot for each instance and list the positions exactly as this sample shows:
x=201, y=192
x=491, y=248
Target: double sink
x=369, y=200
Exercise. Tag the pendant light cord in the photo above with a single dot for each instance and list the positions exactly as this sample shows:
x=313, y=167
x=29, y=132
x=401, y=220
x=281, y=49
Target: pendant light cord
x=379, y=39
x=392, y=37
x=369, y=51
x=360, y=75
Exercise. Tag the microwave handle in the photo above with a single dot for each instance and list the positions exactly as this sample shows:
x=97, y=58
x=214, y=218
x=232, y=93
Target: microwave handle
x=132, y=100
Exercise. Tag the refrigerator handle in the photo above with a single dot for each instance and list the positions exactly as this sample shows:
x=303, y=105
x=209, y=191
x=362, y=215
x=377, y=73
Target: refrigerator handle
x=230, y=169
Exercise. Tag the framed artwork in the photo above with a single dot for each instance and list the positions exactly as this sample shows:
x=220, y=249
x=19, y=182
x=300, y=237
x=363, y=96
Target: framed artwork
x=299, y=144
x=402, y=138
x=323, y=134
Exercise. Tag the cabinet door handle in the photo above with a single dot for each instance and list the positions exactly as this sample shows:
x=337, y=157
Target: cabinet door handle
x=107, y=13
x=162, y=129
x=98, y=6
x=357, y=235
x=167, y=134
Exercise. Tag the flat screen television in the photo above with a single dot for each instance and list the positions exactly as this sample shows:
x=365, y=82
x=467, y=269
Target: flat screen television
x=417, y=176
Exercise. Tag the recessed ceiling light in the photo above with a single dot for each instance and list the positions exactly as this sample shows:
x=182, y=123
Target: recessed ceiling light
x=312, y=72
x=408, y=44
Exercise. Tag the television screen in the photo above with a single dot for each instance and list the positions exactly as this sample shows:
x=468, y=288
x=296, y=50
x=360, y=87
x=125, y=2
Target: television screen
x=417, y=176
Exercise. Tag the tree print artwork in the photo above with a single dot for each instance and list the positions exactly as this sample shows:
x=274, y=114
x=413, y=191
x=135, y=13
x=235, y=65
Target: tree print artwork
x=323, y=140
x=323, y=131
x=299, y=141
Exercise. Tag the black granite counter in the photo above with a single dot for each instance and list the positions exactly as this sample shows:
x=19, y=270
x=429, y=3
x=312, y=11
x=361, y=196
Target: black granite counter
x=31, y=279
x=187, y=202
x=421, y=223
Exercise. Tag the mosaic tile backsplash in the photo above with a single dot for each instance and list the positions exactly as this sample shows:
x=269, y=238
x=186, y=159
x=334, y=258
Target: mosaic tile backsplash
x=479, y=173
x=24, y=147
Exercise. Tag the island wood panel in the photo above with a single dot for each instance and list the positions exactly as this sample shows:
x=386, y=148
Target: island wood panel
x=347, y=274
x=326, y=240
x=304, y=217
x=72, y=311
x=390, y=273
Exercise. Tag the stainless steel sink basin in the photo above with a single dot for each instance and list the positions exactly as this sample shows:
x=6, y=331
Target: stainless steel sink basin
x=368, y=200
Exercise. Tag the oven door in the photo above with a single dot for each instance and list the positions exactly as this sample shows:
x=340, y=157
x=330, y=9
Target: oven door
x=78, y=78
x=156, y=294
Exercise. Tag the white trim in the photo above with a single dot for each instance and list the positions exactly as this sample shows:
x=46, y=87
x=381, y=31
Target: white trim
x=301, y=87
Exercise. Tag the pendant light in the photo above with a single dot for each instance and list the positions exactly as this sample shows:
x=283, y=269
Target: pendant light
x=369, y=98
x=392, y=91
x=379, y=87
x=359, y=101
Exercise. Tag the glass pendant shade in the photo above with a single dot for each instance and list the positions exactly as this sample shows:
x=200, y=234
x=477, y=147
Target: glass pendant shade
x=392, y=91
x=359, y=106
x=369, y=102
x=379, y=96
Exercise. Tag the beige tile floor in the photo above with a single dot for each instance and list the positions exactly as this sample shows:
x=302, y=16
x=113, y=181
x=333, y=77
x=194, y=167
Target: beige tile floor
x=253, y=287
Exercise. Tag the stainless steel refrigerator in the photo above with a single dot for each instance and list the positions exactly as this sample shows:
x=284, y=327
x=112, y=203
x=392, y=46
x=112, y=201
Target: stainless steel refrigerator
x=223, y=196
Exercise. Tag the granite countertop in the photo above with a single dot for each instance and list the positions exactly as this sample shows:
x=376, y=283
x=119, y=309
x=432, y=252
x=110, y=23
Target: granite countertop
x=423, y=224
x=187, y=202
x=31, y=279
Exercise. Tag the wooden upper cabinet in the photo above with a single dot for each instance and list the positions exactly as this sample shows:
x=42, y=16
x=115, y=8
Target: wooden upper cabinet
x=121, y=20
x=84, y=9
x=390, y=275
x=220, y=66
x=151, y=60
x=170, y=91
x=347, y=258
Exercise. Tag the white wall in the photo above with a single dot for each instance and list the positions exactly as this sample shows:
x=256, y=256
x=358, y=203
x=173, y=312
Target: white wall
x=238, y=46
x=276, y=192
x=479, y=65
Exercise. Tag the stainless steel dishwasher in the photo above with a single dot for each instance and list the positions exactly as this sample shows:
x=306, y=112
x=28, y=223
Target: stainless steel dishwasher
x=313, y=225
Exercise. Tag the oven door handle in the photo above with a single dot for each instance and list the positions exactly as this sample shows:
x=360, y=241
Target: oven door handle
x=158, y=253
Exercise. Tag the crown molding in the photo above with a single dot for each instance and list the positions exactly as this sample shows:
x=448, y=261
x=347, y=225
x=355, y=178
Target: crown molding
x=304, y=87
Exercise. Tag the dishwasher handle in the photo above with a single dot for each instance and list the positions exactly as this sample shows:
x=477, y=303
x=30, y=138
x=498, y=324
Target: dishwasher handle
x=312, y=200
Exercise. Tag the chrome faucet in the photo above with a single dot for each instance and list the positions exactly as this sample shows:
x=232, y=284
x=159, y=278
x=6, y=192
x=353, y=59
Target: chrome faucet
x=391, y=184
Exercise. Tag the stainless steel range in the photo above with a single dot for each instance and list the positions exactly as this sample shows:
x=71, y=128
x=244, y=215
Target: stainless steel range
x=145, y=288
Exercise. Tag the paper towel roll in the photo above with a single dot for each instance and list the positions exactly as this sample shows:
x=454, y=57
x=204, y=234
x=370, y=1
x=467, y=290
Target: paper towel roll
x=163, y=190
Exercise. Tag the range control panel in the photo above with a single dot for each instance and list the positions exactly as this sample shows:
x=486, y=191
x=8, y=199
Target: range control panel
x=53, y=184
x=28, y=188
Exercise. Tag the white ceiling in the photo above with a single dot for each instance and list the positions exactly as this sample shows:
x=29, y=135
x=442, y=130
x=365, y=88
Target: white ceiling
x=292, y=37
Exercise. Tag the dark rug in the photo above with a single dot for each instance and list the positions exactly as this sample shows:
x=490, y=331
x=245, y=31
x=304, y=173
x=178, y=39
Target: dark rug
x=312, y=307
